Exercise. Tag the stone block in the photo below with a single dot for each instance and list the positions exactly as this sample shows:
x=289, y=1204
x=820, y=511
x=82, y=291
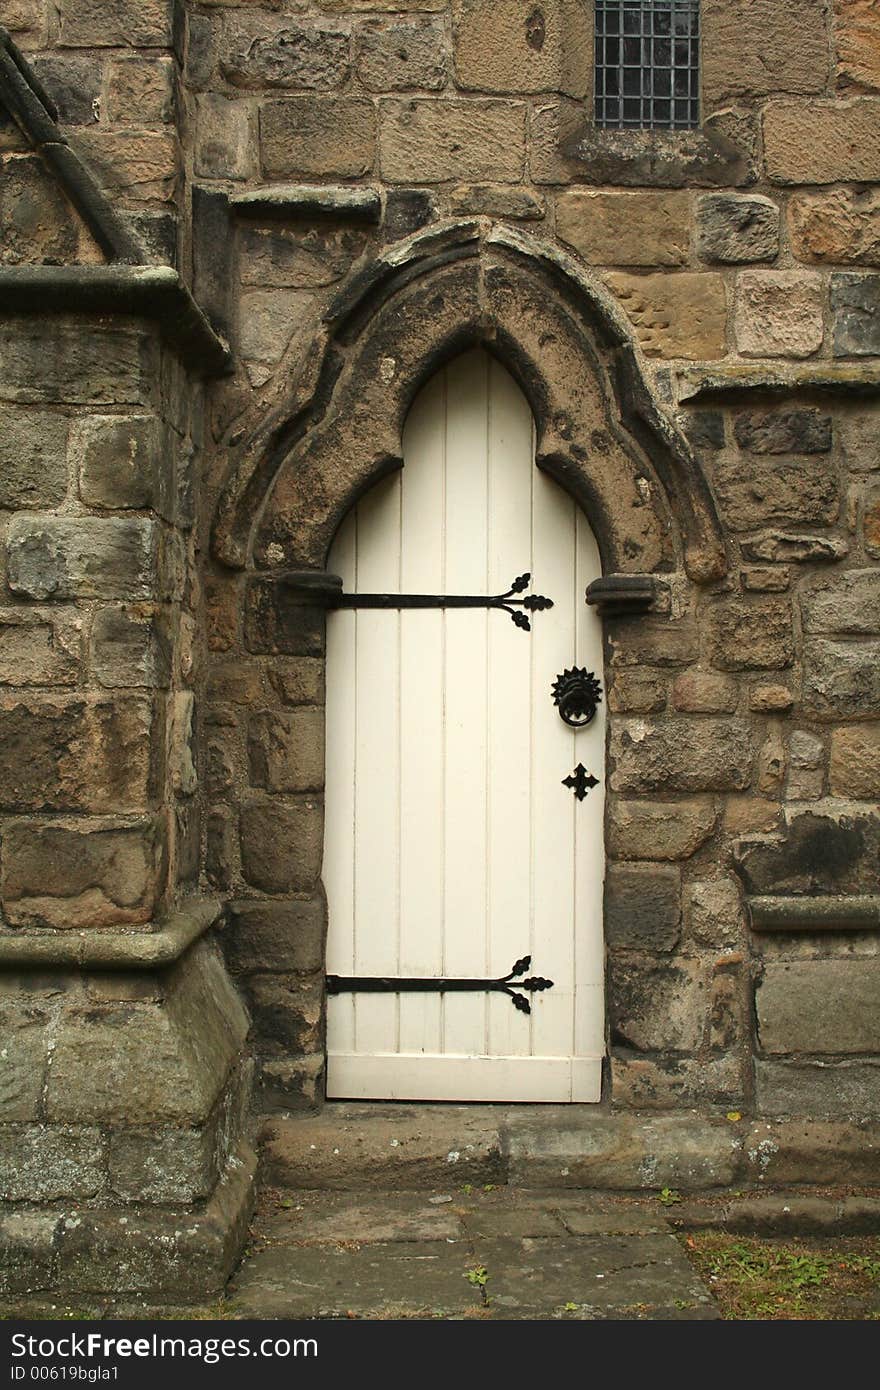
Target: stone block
x=38, y=225
x=220, y=856
x=181, y=741
x=857, y=42
x=757, y=47
x=298, y=681
x=270, y=320
x=94, y=24
x=767, y=579
x=141, y=165
x=273, y=624
x=164, y=1164
x=297, y=257
x=658, y=1006
x=714, y=913
x=751, y=635
x=686, y=754
x=48, y=1163
x=779, y=546
x=141, y=91
x=317, y=135
x=76, y=83
x=855, y=761
x=778, y=313
x=845, y=603
x=753, y=492
x=296, y=56
x=842, y=678
x=771, y=699
x=819, y=1006
x=822, y=853
x=24, y=16
x=288, y=1012
x=705, y=692
x=82, y=755
x=424, y=141
x=504, y=46
x=789, y=431
x=814, y=1089
x=671, y=1083
x=681, y=316
x=25, y=1036
x=118, y=460
x=276, y=936
x=841, y=226
x=643, y=906
x=27, y=1250
x=704, y=428
x=636, y=643
x=76, y=366
x=286, y=750
x=281, y=844
x=639, y=229
x=64, y=557
x=822, y=141
x=131, y=647
x=38, y=648
x=225, y=146
x=653, y=829
x=401, y=55
x=871, y=524
x=636, y=692
x=81, y=876
x=33, y=458
x=855, y=315
x=735, y=230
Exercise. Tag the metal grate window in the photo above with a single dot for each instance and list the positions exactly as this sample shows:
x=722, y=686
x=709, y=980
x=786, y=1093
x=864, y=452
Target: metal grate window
x=647, y=63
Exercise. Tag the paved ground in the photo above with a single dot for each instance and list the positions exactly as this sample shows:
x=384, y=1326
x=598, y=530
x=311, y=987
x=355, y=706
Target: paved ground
x=502, y=1253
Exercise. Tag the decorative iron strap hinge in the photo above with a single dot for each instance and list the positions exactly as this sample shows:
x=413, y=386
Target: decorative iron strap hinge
x=508, y=602
x=392, y=984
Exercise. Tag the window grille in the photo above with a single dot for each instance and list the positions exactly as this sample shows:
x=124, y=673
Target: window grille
x=647, y=64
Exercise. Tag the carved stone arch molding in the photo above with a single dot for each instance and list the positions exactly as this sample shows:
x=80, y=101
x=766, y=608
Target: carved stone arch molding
x=600, y=430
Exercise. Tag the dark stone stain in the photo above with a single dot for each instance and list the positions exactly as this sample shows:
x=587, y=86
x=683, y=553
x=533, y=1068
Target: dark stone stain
x=536, y=30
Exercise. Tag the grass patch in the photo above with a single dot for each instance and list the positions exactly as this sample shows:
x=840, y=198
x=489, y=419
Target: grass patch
x=779, y=1277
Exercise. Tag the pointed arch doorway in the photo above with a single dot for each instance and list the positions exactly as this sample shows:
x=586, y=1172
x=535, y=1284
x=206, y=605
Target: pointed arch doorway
x=460, y=838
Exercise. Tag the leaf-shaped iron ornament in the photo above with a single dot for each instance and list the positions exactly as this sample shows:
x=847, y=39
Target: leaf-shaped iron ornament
x=533, y=984
x=509, y=984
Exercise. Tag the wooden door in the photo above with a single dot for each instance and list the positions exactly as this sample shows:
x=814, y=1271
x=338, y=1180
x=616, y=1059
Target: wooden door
x=453, y=847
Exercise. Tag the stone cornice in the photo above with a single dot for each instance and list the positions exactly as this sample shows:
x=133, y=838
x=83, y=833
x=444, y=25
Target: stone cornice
x=819, y=913
x=111, y=950
x=852, y=378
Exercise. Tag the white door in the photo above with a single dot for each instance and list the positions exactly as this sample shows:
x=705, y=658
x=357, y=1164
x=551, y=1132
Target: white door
x=453, y=847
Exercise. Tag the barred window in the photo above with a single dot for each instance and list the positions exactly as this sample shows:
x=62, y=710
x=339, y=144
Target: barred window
x=647, y=63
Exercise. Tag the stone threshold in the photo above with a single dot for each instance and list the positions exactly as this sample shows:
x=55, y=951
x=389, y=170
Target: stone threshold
x=145, y=949
x=853, y=378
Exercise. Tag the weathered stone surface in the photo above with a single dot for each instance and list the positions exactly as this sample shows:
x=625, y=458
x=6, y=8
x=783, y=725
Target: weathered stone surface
x=659, y=829
x=754, y=635
x=819, y=1006
x=644, y=229
x=138, y=164
x=754, y=492
x=25, y=1030
x=281, y=845
x=220, y=845
x=500, y=46
x=733, y=230
x=225, y=144
x=823, y=141
x=756, y=47
x=141, y=89
x=636, y=692
x=24, y=16
x=27, y=1250
x=317, y=135
x=399, y=56
x=163, y=1164
x=269, y=321
x=138, y=23
x=296, y=56
x=496, y=200
x=681, y=315
x=771, y=699
x=131, y=647
x=855, y=761
x=658, y=1007
x=297, y=257
x=273, y=624
x=80, y=876
x=76, y=366
x=299, y=681
x=286, y=750
x=705, y=692
x=684, y=754
x=779, y=546
x=45, y=1163
x=33, y=458
x=643, y=906
x=771, y=763
x=37, y=223
x=784, y=431
x=855, y=315
x=118, y=460
x=406, y=210
x=871, y=523
x=817, y=1088
x=288, y=1011
x=276, y=936
x=671, y=1083
x=426, y=141
x=767, y=579
x=821, y=853
x=704, y=428
x=806, y=766
x=778, y=313
x=842, y=678
x=814, y=1151
x=844, y=603
x=859, y=437
x=713, y=912
x=857, y=42
x=38, y=648
x=80, y=557
x=841, y=226
x=181, y=741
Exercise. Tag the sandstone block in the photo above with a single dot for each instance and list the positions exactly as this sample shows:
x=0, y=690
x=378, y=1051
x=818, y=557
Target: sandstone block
x=33, y=458
x=713, y=912
x=224, y=140
x=27, y=1239
x=135, y=23
x=855, y=761
x=659, y=829
x=705, y=692
x=668, y=1083
x=25, y=1030
x=164, y=1164
x=24, y=16
x=220, y=856
x=317, y=135
x=778, y=313
x=503, y=46
x=48, y=1163
x=402, y=55
x=496, y=200
x=771, y=699
x=636, y=642
x=76, y=366
x=842, y=678
x=778, y=546
x=80, y=876
x=272, y=936
x=37, y=223
x=118, y=460
x=641, y=229
x=298, y=681
x=81, y=557
x=756, y=47
x=695, y=754
x=141, y=91
x=281, y=844
x=269, y=321
x=789, y=1087
x=297, y=56
x=734, y=230
x=871, y=524
x=286, y=750
x=841, y=226
x=806, y=766
x=784, y=431
x=767, y=579
x=751, y=635
x=38, y=648
x=636, y=692
x=656, y=1007
x=821, y=853
x=753, y=493
x=429, y=141
x=680, y=315
x=857, y=42
x=704, y=428
x=643, y=906
x=846, y=603
x=288, y=1011
x=131, y=647
x=822, y=141
x=855, y=315
x=138, y=164
x=297, y=258
x=181, y=741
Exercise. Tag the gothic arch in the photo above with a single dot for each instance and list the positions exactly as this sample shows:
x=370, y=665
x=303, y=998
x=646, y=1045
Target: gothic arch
x=601, y=433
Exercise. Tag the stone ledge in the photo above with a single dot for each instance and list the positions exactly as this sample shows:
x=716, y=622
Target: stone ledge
x=284, y=201
x=807, y=914
x=150, y=292
x=697, y=383
x=111, y=950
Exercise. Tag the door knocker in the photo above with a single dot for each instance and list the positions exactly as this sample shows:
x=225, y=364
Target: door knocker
x=578, y=695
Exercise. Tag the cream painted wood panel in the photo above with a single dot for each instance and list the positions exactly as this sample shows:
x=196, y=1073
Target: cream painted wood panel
x=452, y=848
